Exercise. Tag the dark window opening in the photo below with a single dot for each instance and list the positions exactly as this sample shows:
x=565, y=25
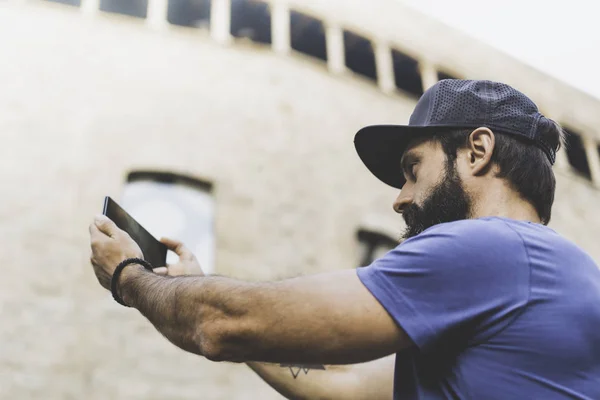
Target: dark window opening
x=194, y=13
x=251, y=20
x=576, y=154
x=443, y=75
x=133, y=8
x=308, y=35
x=374, y=245
x=360, y=56
x=407, y=74
x=170, y=178
x=69, y=2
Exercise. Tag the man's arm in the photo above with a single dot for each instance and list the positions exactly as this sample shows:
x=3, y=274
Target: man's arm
x=373, y=380
x=321, y=319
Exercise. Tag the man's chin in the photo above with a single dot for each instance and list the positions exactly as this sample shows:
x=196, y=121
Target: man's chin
x=412, y=231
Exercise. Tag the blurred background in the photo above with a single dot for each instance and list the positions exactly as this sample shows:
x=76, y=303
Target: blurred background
x=229, y=124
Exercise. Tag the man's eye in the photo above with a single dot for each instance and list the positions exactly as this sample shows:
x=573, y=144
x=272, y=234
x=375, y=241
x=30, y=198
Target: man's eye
x=413, y=174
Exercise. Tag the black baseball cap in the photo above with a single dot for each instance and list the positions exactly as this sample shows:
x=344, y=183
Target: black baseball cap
x=452, y=103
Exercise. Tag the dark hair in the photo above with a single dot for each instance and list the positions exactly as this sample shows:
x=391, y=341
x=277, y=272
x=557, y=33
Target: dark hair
x=523, y=164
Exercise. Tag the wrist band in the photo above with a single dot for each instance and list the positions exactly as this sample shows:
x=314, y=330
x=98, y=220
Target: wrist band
x=115, y=278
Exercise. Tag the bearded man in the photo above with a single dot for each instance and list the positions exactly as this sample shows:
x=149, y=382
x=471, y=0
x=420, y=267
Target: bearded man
x=482, y=300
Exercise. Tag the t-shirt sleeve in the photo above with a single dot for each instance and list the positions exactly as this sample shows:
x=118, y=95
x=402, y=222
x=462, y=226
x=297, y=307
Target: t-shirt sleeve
x=458, y=281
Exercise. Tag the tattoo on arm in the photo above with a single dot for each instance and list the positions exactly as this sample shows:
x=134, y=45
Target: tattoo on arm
x=295, y=369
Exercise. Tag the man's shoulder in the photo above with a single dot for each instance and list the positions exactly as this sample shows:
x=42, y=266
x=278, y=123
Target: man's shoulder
x=488, y=240
x=481, y=230
x=468, y=251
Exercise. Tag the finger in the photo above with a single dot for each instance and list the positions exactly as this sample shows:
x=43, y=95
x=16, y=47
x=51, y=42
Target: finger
x=95, y=237
x=171, y=243
x=93, y=229
x=178, y=247
x=105, y=225
x=161, y=271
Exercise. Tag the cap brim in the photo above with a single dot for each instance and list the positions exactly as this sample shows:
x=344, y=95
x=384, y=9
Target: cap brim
x=380, y=147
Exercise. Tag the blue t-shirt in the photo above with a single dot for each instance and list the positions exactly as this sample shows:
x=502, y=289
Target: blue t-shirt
x=497, y=308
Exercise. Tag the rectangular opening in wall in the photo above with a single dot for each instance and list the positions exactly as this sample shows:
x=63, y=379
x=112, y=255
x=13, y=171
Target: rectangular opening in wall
x=308, y=35
x=192, y=13
x=69, y=2
x=407, y=74
x=374, y=245
x=576, y=154
x=251, y=19
x=174, y=206
x=444, y=75
x=359, y=54
x=133, y=8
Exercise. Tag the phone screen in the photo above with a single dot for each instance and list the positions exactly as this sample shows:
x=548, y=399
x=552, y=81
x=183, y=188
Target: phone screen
x=154, y=251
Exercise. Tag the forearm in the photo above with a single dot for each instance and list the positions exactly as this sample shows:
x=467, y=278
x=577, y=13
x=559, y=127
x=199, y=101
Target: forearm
x=299, y=381
x=185, y=309
x=366, y=381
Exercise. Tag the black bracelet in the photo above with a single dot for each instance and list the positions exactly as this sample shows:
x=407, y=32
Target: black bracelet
x=115, y=278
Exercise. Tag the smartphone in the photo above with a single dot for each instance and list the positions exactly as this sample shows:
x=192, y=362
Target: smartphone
x=154, y=251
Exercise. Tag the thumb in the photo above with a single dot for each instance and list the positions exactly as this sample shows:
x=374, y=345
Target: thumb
x=178, y=247
x=161, y=271
x=105, y=225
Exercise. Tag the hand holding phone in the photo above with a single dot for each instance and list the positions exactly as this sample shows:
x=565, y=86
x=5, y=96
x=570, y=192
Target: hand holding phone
x=154, y=251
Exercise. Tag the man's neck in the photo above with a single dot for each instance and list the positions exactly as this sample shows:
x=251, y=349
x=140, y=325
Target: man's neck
x=498, y=200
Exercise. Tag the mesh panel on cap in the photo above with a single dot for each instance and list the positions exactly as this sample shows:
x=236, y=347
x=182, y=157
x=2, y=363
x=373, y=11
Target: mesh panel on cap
x=457, y=102
x=513, y=110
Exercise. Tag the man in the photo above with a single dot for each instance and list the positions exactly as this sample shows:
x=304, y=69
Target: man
x=482, y=300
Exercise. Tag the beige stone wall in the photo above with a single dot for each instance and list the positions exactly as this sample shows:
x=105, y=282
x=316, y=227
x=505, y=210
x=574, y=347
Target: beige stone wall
x=84, y=101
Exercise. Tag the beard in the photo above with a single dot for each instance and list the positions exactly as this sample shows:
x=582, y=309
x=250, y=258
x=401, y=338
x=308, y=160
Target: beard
x=447, y=202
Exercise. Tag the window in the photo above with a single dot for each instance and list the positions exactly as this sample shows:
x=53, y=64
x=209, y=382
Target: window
x=576, y=154
x=133, y=8
x=443, y=75
x=407, y=74
x=251, y=19
x=176, y=206
x=69, y=2
x=360, y=57
x=308, y=35
x=194, y=13
x=374, y=245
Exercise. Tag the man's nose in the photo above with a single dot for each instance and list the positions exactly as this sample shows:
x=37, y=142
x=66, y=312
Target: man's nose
x=403, y=200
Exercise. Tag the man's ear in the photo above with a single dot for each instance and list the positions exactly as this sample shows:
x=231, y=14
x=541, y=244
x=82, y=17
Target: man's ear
x=480, y=147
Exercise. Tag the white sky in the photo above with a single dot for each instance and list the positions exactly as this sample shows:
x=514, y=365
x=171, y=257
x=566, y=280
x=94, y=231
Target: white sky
x=560, y=38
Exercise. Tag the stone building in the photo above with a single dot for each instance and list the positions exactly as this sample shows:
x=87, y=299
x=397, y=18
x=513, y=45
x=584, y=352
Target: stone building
x=228, y=124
